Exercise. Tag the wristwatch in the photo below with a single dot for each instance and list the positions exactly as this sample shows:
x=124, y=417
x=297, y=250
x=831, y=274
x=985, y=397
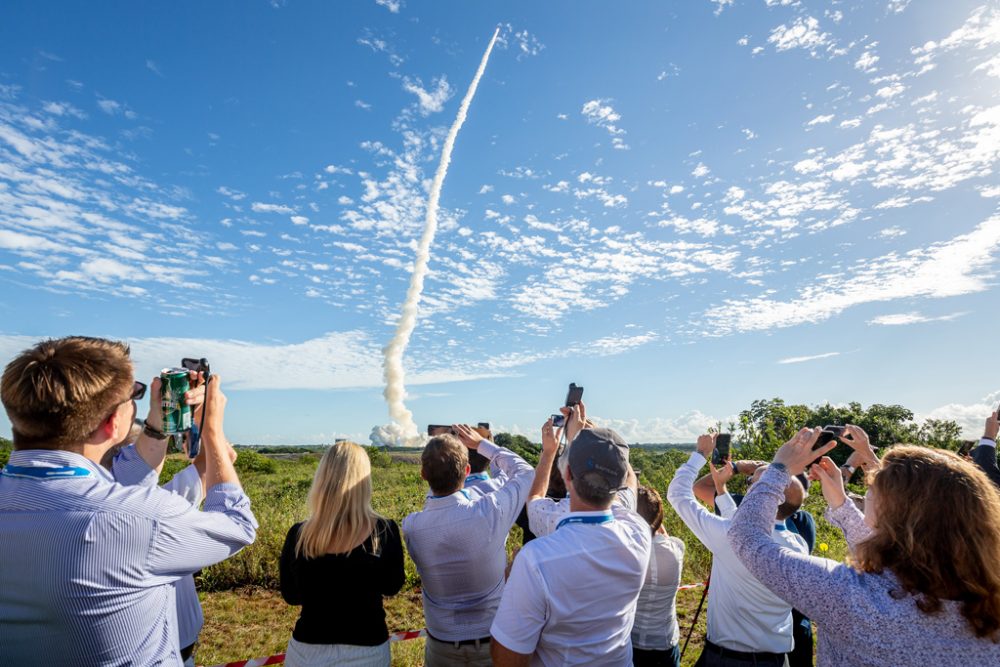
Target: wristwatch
x=151, y=432
x=736, y=469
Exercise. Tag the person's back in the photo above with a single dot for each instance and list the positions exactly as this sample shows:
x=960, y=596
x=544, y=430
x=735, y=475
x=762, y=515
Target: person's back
x=88, y=564
x=655, y=633
x=457, y=541
x=571, y=596
x=920, y=589
x=338, y=564
x=743, y=616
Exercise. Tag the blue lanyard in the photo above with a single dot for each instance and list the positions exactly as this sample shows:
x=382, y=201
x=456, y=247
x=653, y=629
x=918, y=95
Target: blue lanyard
x=604, y=518
x=39, y=472
x=475, y=477
x=780, y=526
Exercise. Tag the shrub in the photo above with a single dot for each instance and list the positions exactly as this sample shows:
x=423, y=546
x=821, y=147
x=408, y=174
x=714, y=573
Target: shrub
x=252, y=461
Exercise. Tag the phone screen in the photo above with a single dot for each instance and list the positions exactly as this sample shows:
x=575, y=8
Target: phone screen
x=967, y=446
x=437, y=429
x=721, y=452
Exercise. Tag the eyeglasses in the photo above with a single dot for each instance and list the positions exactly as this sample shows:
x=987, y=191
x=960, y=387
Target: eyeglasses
x=138, y=391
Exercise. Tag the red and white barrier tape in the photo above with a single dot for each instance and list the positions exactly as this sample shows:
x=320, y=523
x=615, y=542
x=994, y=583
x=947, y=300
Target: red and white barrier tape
x=394, y=637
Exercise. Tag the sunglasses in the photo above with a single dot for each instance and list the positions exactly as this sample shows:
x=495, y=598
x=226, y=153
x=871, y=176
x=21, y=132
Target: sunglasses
x=138, y=390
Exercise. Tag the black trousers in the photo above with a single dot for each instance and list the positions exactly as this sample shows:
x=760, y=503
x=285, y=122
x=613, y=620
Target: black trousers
x=802, y=654
x=670, y=657
x=716, y=656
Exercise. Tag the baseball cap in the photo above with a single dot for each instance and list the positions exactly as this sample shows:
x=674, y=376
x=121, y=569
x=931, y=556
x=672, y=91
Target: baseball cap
x=599, y=458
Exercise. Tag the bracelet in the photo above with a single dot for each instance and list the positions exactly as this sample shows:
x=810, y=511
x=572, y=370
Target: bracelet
x=736, y=469
x=151, y=432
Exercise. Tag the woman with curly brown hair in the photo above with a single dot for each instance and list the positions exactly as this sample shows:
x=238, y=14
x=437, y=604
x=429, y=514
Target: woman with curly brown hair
x=922, y=586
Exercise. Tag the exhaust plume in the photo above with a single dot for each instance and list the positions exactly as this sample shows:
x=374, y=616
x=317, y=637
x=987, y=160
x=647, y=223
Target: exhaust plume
x=395, y=391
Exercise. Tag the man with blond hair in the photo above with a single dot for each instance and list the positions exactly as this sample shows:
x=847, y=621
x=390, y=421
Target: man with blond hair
x=88, y=564
x=457, y=542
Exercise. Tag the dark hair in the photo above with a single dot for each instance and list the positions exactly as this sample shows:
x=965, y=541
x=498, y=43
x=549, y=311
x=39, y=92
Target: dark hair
x=592, y=488
x=60, y=391
x=477, y=462
x=649, y=505
x=443, y=463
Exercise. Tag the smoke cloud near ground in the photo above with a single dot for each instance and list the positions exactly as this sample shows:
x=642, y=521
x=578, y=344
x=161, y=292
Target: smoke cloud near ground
x=403, y=430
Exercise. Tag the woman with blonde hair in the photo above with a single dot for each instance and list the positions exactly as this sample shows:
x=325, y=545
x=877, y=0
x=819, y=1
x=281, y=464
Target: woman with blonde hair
x=338, y=564
x=922, y=586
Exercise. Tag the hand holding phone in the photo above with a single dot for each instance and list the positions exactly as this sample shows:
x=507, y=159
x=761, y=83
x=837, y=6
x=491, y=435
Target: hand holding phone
x=574, y=395
x=558, y=421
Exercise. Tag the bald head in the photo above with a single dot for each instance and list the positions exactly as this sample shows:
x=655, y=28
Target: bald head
x=795, y=495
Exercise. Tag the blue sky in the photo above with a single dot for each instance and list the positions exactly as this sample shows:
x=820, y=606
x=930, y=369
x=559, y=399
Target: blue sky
x=681, y=206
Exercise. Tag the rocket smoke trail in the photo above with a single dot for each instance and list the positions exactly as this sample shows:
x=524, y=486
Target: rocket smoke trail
x=394, y=374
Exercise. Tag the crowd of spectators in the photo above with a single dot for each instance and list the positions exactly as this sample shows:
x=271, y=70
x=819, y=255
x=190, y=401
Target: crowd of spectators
x=97, y=560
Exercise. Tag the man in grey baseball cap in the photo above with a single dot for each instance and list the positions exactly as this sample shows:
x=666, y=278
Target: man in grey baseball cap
x=571, y=595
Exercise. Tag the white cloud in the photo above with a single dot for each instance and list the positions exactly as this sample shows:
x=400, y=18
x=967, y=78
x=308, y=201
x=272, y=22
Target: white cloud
x=903, y=319
x=361, y=104
x=153, y=67
x=525, y=43
x=804, y=33
x=700, y=171
x=951, y=268
x=812, y=357
x=508, y=199
x=429, y=101
x=866, y=62
x=300, y=220
x=235, y=195
x=259, y=207
x=599, y=112
x=392, y=5
x=820, y=120
x=485, y=189
x=684, y=428
x=971, y=417
x=109, y=107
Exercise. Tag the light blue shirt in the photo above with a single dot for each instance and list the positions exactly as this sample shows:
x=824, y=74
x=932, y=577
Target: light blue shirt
x=129, y=468
x=89, y=566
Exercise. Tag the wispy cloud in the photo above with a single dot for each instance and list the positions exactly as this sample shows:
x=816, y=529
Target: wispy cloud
x=811, y=357
x=803, y=33
x=392, y=5
x=902, y=319
x=429, y=101
x=153, y=67
x=260, y=207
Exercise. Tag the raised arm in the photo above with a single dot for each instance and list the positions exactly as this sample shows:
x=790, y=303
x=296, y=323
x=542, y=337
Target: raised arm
x=985, y=455
x=286, y=576
x=391, y=562
x=509, y=498
x=151, y=444
x=819, y=588
x=543, y=471
x=841, y=513
x=707, y=527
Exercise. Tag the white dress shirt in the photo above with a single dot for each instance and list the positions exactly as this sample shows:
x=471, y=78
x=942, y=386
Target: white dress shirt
x=655, y=626
x=458, y=545
x=743, y=615
x=571, y=596
x=544, y=514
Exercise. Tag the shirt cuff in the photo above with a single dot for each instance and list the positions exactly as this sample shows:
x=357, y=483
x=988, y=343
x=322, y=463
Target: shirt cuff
x=488, y=449
x=697, y=459
x=726, y=505
x=986, y=442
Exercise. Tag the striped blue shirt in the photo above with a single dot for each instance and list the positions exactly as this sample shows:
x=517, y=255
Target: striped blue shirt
x=88, y=565
x=129, y=468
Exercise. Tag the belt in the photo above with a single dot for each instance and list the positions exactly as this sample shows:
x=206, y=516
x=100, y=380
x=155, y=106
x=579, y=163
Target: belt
x=778, y=658
x=463, y=642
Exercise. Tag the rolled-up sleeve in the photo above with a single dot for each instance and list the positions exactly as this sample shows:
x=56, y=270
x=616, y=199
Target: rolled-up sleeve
x=186, y=540
x=523, y=610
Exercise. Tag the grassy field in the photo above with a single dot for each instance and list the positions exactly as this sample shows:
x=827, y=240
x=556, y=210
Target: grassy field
x=245, y=616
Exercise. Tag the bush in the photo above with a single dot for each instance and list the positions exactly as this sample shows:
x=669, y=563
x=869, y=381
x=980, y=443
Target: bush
x=6, y=446
x=249, y=460
x=379, y=457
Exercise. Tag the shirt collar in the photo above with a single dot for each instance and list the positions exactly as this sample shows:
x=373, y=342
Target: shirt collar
x=55, y=458
x=462, y=495
x=477, y=476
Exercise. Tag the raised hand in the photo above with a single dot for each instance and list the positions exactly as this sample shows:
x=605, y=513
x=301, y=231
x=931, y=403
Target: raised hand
x=828, y=474
x=467, y=436
x=550, y=441
x=721, y=475
x=706, y=445
x=798, y=453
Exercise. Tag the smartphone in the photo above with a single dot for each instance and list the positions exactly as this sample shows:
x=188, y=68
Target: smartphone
x=483, y=429
x=721, y=452
x=966, y=447
x=558, y=421
x=198, y=366
x=574, y=395
x=829, y=433
x=438, y=429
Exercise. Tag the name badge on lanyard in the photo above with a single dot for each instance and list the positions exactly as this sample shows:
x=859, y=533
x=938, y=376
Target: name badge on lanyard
x=604, y=518
x=39, y=472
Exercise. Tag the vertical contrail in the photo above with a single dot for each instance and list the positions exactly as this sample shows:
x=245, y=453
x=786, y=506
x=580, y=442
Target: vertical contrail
x=394, y=374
